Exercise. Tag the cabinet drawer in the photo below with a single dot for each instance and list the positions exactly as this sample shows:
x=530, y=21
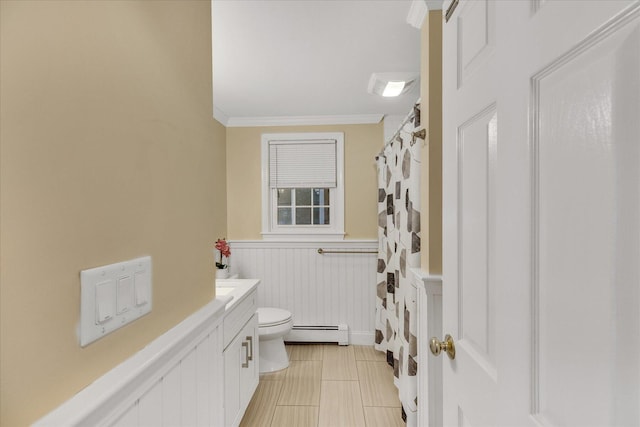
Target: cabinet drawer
x=238, y=317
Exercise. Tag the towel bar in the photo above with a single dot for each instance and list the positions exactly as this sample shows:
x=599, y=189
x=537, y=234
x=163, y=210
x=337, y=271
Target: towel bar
x=322, y=252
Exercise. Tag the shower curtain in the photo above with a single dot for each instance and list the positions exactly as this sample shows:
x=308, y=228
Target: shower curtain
x=398, y=251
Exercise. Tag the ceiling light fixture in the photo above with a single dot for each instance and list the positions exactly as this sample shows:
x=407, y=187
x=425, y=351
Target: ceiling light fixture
x=393, y=89
x=391, y=84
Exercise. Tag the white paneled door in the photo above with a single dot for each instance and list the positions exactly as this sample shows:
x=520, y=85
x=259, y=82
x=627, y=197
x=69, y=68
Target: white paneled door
x=541, y=208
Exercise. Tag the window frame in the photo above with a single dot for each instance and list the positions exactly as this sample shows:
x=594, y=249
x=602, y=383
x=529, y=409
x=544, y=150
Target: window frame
x=271, y=230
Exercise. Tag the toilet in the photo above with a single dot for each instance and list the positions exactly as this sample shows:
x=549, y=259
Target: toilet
x=273, y=325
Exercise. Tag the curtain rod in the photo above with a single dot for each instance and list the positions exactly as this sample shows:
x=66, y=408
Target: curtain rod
x=420, y=134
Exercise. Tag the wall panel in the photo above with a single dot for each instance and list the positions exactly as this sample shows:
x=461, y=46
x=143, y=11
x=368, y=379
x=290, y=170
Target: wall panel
x=319, y=290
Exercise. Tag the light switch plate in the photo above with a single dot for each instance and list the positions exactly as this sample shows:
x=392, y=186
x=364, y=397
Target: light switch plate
x=124, y=294
x=113, y=296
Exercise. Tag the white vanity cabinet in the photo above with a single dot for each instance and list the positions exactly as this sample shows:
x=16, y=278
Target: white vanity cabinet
x=240, y=373
x=241, y=352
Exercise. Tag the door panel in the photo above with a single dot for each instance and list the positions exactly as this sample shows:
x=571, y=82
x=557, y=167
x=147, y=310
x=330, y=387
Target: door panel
x=585, y=213
x=470, y=125
x=477, y=145
x=541, y=213
x=475, y=37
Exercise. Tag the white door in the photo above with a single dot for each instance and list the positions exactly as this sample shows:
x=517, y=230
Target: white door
x=541, y=211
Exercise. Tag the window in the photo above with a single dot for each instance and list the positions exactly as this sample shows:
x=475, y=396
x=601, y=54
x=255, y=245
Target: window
x=303, y=206
x=303, y=186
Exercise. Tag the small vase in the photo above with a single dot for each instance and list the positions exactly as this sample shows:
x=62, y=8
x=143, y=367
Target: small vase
x=222, y=273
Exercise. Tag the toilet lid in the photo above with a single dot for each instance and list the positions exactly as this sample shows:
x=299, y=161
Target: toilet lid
x=268, y=316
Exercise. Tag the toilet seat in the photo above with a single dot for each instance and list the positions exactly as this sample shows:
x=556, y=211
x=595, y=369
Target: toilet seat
x=269, y=316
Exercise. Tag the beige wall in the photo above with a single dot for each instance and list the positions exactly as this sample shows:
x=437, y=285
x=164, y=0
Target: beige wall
x=108, y=151
x=361, y=144
x=431, y=94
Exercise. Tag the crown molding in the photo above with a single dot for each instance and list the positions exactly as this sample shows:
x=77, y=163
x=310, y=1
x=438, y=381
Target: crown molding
x=303, y=120
x=434, y=4
x=417, y=12
x=220, y=116
x=419, y=9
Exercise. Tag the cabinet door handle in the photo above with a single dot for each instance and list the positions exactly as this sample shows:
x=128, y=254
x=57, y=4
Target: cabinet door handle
x=245, y=364
x=250, y=339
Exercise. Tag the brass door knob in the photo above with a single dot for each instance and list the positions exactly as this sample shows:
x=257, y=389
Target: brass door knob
x=447, y=345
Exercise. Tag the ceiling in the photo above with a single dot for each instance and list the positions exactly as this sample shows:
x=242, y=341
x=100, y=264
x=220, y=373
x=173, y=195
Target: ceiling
x=309, y=61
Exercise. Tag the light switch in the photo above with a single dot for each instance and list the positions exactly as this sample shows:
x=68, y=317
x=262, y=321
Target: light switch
x=105, y=297
x=112, y=296
x=141, y=286
x=124, y=294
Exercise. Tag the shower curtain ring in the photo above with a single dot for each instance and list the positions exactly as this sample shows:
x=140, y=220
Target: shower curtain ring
x=422, y=134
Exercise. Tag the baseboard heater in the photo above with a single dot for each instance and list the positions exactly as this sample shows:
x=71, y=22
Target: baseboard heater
x=337, y=333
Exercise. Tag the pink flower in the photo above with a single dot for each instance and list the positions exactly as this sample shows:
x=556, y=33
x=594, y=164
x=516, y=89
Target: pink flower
x=225, y=250
x=223, y=247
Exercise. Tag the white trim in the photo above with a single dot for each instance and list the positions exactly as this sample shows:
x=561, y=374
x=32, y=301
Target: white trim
x=109, y=396
x=429, y=303
x=313, y=242
x=336, y=229
x=362, y=338
x=220, y=115
x=213, y=106
x=417, y=12
x=266, y=190
x=435, y=4
x=356, y=119
x=304, y=236
x=430, y=282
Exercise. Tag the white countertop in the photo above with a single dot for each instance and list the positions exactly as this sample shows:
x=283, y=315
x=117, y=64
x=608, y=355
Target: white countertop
x=232, y=291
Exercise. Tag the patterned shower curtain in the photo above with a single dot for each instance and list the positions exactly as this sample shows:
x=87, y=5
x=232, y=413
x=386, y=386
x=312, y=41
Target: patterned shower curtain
x=398, y=251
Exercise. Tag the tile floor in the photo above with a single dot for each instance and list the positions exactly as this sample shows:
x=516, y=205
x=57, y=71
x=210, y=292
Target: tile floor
x=327, y=385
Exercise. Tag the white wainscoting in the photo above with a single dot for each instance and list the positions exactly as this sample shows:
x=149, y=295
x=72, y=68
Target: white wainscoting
x=174, y=381
x=429, y=292
x=319, y=290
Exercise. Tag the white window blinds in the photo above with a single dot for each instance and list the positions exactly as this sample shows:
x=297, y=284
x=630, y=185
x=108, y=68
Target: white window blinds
x=302, y=164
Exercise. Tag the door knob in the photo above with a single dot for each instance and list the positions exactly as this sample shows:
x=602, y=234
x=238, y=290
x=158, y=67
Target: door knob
x=447, y=345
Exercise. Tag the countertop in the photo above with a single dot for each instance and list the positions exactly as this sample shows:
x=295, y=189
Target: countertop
x=232, y=291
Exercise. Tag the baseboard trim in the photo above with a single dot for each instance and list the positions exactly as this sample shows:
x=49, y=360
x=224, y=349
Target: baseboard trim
x=362, y=338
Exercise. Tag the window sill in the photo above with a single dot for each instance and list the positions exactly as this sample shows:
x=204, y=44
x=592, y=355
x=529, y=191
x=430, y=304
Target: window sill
x=315, y=236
